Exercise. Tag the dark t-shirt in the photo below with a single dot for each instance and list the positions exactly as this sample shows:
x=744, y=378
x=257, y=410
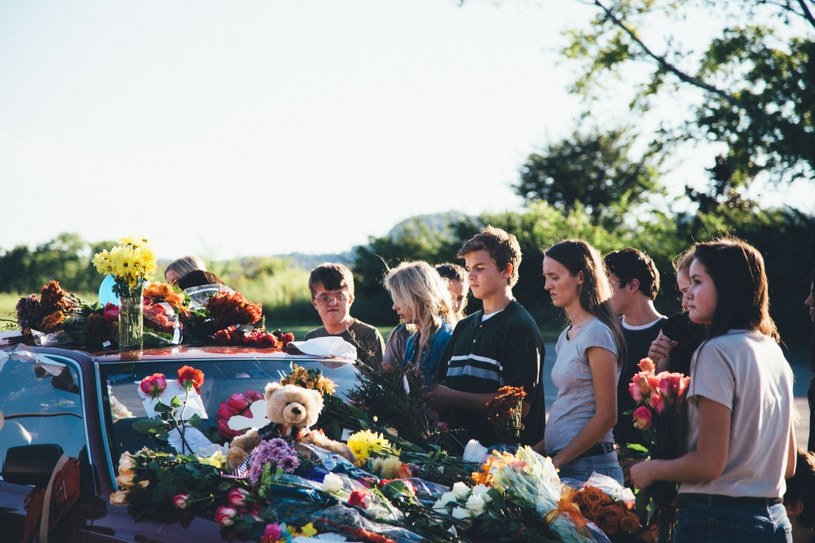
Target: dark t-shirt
x=637, y=344
x=688, y=336
x=505, y=350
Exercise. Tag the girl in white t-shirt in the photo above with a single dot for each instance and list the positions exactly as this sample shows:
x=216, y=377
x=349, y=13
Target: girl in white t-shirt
x=741, y=440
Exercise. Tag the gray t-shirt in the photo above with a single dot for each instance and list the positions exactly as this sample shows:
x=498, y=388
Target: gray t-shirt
x=571, y=375
x=746, y=372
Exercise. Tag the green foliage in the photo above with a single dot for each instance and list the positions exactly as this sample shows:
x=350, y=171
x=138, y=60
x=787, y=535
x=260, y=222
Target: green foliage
x=754, y=82
x=591, y=169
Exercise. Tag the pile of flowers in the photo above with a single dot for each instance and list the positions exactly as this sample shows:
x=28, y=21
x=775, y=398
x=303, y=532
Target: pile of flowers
x=54, y=309
x=504, y=414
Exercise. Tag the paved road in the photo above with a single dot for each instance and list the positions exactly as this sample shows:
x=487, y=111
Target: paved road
x=797, y=355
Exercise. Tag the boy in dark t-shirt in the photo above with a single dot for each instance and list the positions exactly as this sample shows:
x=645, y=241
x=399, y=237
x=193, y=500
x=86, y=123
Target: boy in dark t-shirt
x=498, y=346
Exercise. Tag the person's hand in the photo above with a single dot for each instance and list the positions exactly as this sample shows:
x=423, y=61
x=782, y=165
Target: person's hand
x=627, y=464
x=641, y=474
x=660, y=348
x=438, y=397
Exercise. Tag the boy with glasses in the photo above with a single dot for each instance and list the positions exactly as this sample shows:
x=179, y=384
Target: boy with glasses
x=332, y=293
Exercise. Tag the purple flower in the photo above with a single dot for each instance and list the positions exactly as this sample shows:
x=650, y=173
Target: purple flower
x=288, y=464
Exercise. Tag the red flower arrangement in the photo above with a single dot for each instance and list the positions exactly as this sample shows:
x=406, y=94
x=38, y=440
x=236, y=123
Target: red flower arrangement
x=232, y=308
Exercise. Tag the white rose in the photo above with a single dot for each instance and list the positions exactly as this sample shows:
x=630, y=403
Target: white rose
x=461, y=513
x=447, y=497
x=475, y=504
x=475, y=452
x=332, y=483
x=461, y=490
x=483, y=492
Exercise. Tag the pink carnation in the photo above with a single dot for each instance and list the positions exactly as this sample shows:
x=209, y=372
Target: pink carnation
x=642, y=418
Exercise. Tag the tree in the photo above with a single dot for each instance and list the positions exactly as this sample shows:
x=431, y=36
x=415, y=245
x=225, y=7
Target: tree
x=593, y=170
x=755, y=80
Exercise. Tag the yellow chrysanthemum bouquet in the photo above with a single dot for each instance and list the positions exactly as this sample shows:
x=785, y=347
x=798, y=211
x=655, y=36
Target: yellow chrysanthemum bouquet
x=131, y=264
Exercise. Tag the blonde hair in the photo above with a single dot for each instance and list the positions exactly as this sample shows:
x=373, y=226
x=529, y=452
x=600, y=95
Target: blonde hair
x=420, y=289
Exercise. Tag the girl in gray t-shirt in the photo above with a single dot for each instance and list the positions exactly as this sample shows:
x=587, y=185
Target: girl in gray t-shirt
x=579, y=430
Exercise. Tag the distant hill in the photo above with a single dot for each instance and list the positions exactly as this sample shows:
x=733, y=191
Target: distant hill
x=309, y=261
x=437, y=223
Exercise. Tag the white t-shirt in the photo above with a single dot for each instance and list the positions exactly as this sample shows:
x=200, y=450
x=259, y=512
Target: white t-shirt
x=746, y=372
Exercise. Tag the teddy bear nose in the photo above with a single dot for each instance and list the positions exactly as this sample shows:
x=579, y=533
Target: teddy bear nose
x=295, y=410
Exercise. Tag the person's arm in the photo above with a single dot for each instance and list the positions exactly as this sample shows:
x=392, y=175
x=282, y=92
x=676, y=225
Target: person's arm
x=603, y=365
x=442, y=396
x=705, y=463
x=792, y=456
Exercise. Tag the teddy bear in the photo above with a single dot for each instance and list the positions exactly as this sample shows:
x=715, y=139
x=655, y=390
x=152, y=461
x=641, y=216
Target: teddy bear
x=291, y=409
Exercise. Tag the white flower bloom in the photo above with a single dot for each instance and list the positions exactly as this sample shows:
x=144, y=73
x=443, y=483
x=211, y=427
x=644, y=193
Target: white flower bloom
x=483, y=492
x=475, y=504
x=446, y=498
x=332, y=483
x=461, y=513
x=461, y=490
x=475, y=452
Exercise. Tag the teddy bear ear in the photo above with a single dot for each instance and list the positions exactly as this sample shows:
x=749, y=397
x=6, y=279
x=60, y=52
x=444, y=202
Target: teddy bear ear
x=318, y=397
x=271, y=388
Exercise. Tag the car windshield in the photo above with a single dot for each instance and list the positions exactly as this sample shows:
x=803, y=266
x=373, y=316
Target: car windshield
x=129, y=410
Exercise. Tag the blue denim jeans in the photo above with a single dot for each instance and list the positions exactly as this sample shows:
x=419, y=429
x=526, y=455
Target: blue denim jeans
x=582, y=468
x=703, y=519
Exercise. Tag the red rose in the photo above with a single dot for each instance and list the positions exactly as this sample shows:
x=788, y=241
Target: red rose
x=360, y=497
x=190, y=377
x=153, y=385
x=286, y=338
x=111, y=312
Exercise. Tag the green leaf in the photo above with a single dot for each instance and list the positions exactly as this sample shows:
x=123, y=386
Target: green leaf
x=146, y=426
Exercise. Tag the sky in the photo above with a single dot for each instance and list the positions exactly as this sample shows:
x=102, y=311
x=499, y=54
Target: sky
x=246, y=128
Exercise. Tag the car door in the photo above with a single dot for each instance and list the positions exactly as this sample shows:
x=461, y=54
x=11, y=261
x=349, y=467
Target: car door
x=41, y=409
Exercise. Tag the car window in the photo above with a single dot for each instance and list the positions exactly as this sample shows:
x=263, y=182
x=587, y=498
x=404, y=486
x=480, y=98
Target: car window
x=125, y=409
x=40, y=403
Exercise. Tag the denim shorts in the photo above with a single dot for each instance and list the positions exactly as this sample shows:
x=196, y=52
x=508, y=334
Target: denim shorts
x=581, y=469
x=715, y=519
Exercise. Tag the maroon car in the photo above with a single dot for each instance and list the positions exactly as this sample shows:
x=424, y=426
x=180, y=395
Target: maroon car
x=57, y=404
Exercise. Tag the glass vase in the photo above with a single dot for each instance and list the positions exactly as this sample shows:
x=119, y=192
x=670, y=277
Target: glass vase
x=131, y=318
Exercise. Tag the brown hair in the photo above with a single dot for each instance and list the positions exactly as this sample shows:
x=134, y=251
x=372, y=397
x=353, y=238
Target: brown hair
x=502, y=247
x=742, y=297
x=578, y=256
x=331, y=276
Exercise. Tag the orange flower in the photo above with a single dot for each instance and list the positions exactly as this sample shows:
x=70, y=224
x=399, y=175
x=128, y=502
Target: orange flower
x=165, y=292
x=484, y=477
x=51, y=321
x=189, y=376
x=592, y=495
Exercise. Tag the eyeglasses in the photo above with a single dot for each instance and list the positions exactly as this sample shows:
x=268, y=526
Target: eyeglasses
x=339, y=298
